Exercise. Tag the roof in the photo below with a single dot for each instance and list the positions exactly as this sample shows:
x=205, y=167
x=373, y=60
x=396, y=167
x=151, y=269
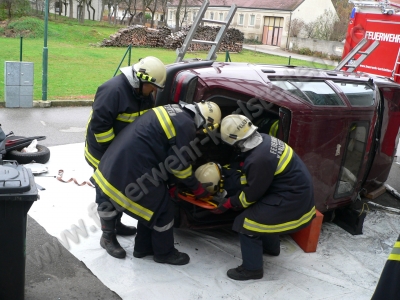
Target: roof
x=287, y=5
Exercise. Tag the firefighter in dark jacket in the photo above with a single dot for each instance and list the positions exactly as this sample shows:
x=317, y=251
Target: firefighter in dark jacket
x=118, y=102
x=134, y=171
x=388, y=287
x=276, y=196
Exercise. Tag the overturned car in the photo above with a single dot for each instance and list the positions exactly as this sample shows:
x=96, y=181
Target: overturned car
x=343, y=125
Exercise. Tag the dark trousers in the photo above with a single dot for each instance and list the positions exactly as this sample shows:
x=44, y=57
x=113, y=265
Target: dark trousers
x=253, y=247
x=160, y=238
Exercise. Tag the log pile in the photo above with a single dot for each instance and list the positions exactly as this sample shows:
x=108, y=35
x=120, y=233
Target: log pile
x=138, y=35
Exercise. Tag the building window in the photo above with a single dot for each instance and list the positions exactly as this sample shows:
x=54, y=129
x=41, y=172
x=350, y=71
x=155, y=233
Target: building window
x=241, y=18
x=194, y=15
x=252, y=20
x=211, y=16
x=221, y=16
x=170, y=14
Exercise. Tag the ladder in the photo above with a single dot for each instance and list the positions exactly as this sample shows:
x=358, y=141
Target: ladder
x=345, y=63
x=218, y=39
x=396, y=69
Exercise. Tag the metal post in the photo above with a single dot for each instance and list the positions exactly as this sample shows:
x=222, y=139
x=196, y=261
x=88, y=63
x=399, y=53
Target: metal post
x=20, y=48
x=289, y=60
x=45, y=52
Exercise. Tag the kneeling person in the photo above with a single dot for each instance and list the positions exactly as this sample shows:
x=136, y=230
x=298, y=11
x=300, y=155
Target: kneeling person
x=276, y=193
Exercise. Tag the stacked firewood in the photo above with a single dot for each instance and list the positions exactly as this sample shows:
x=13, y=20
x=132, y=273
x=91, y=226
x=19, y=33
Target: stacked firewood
x=138, y=35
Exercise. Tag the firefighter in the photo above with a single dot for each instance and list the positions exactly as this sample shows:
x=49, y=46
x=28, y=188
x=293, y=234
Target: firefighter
x=118, y=102
x=276, y=195
x=388, y=287
x=134, y=171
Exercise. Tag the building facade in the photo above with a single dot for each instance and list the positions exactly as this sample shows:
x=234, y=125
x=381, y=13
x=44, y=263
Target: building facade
x=266, y=21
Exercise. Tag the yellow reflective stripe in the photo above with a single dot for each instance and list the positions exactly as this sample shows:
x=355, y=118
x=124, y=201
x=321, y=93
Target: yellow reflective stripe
x=87, y=124
x=95, y=162
x=120, y=198
x=105, y=136
x=274, y=128
x=129, y=118
x=145, y=77
x=258, y=227
x=243, y=200
x=165, y=122
x=243, y=179
x=284, y=160
x=395, y=255
x=183, y=173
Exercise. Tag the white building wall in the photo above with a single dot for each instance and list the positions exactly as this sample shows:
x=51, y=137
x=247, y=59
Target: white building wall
x=65, y=12
x=310, y=10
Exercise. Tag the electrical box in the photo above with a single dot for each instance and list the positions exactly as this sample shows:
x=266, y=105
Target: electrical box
x=18, y=80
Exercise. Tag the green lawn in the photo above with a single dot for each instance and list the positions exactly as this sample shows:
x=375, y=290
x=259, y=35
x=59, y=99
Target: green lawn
x=77, y=66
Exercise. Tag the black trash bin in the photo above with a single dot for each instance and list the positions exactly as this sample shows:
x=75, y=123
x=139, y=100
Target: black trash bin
x=18, y=191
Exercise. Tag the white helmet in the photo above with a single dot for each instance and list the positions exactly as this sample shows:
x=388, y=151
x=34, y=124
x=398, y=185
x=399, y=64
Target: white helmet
x=235, y=128
x=209, y=172
x=210, y=112
x=151, y=70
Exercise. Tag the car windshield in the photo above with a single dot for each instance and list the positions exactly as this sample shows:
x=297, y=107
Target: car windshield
x=315, y=92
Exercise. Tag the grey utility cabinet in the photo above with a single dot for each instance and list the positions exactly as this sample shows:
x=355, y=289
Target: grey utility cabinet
x=18, y=80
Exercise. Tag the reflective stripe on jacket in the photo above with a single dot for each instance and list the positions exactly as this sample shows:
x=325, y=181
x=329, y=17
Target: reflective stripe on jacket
x=278, y=196
x=115, y=106
x=134, y=170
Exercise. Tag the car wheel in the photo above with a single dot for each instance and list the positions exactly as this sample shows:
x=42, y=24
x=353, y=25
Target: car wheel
x=41, y=157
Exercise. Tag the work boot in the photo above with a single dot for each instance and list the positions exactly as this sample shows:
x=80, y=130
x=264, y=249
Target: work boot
x=271, y=244
x=175, y=258
x=109, y=239
x=240, y=273
x=139, y=254
x=122, y=229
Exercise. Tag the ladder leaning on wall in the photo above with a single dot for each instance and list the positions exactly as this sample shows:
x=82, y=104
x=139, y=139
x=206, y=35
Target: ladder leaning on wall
x=218, y=39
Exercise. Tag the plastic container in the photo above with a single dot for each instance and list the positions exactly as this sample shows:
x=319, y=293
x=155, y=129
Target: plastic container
x=18, y=191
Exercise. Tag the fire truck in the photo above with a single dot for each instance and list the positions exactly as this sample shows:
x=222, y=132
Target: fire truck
x=373, y=39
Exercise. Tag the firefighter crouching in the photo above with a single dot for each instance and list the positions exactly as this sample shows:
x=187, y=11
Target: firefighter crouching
x=276, y=194
x=134, y=170
x=118, y=102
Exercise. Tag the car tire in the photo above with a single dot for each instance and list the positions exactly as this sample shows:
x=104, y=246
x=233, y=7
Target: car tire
x=40, y=157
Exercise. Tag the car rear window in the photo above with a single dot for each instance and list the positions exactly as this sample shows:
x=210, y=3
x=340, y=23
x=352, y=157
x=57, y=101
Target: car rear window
x=359, y=94
x=315, y=92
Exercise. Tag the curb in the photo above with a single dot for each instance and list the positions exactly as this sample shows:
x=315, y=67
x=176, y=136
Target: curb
x=54, y=103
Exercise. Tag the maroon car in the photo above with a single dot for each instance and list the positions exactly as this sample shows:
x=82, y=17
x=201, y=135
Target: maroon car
x=343, y=125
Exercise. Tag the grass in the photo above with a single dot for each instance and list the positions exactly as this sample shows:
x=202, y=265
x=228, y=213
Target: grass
x=77, y=66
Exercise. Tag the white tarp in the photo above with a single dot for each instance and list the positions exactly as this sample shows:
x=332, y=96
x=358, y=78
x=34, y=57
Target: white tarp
x=344, y=266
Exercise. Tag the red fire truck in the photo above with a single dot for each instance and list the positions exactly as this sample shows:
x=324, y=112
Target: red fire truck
x=379, y=22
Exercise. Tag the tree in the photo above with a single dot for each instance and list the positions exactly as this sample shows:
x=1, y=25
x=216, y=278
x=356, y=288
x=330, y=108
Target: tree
x=296, y=26
x=309, y=29
x=145, y=4
x=324, y=25
x=14, y=8
x=343, y=10
x=90, y=6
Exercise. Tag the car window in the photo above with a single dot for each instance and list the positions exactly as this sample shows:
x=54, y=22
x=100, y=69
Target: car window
x=359, y=94
x=316, y=92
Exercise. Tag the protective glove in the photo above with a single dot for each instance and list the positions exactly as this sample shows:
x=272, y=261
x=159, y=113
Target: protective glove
x=223, y=206
x=201, y=192
x=173, y=192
